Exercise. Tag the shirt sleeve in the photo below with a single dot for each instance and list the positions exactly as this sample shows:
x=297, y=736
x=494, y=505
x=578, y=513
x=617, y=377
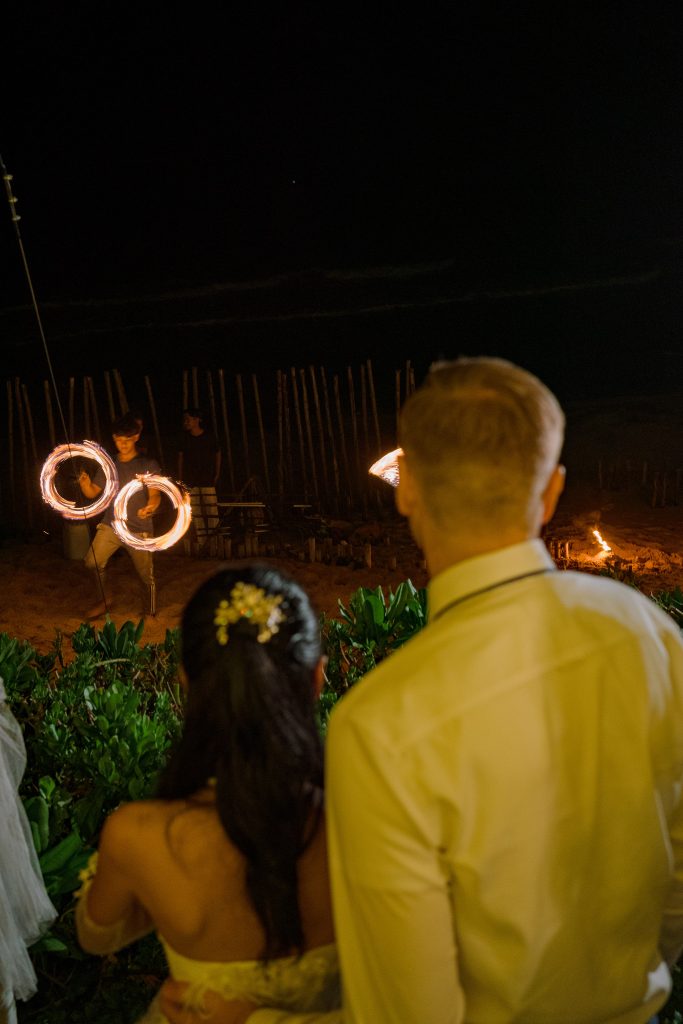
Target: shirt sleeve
x=392, y=900
x=671, y=934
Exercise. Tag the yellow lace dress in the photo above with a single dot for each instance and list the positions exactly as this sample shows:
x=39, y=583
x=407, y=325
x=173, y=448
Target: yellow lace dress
x=306, y=984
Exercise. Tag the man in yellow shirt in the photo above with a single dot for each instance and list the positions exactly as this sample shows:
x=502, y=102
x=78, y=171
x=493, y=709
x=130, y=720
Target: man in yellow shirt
x=505, y=792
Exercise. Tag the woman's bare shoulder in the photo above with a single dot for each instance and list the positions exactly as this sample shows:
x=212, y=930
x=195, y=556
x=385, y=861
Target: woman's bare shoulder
x=138, y=824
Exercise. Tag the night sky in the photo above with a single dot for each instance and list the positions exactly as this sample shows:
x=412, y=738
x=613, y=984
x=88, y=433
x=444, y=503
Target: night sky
x=511, y=149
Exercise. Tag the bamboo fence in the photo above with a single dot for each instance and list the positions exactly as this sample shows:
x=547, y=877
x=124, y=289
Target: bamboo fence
x=302, y=437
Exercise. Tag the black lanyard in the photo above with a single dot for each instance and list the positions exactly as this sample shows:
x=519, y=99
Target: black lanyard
x=486, y=590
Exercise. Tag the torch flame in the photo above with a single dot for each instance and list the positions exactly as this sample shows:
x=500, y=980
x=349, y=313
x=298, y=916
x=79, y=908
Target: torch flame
x=605, y=547
x=386, y=468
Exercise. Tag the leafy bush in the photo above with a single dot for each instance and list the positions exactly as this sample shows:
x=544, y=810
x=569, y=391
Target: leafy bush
x=367, y=631
x=97, y=728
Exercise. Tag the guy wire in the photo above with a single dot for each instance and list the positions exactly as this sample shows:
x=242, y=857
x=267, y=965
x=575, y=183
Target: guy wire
x=16, y=217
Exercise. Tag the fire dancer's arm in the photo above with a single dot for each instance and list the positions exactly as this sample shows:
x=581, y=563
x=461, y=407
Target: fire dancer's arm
x=89, y=489
x=153, y=499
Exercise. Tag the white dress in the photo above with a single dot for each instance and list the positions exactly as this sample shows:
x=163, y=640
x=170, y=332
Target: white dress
x=302, y=985
x=25, y=908
x=306, y=984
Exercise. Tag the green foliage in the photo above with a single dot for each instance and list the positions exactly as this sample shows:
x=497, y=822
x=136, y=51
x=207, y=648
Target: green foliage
x=671, y=601
x=367, y=631
x=97, y=727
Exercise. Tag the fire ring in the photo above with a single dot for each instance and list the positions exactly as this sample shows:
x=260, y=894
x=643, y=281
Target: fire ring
x=88, y=450
x=180, y=499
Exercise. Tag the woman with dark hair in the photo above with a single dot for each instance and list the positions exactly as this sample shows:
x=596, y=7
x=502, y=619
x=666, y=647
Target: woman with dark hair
x=229, y=863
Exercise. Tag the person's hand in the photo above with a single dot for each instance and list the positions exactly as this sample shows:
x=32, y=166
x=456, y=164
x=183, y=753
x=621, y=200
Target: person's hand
x=84, y=479
x=146, y=511
x=214, y=1009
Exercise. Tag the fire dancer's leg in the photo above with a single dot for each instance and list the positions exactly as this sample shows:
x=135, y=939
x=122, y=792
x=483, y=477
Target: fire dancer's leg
x=104, y=544
x=144, y=566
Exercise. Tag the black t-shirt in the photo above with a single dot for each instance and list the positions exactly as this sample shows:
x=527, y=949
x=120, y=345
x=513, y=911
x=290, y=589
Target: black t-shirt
x=199, y=459
x=127, y=471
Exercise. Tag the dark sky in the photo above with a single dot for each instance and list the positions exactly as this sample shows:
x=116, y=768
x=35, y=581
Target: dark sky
x=159, y=146
x=190, y=143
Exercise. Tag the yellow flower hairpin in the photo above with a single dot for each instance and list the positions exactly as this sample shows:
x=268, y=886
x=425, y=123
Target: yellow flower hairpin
x=251, y=603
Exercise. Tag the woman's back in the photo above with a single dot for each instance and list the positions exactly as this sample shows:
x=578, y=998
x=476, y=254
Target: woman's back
x=191, y=879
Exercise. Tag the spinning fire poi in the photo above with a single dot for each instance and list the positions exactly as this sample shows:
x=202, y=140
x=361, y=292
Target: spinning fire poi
x=180, y=499
x=66, y=508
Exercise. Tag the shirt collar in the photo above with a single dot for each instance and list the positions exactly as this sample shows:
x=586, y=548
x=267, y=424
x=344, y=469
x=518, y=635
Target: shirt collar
x=486, y=571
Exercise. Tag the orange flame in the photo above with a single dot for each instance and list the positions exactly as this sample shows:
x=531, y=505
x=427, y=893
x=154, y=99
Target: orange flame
x=605, y=547
x=386, y=468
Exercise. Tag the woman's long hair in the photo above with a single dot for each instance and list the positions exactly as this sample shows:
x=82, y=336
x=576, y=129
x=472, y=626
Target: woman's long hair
x=250, y=723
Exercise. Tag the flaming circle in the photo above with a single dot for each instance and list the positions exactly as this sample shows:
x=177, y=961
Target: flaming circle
x=88, y=450
x=386, y=468
x=180, y=499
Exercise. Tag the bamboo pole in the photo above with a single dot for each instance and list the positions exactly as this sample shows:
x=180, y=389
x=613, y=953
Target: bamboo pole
x=319, y=423
x=309, y=435
x=86, y=408
x=10, y=447
x=226, y=427
x=123, y=401
x=186, y=404
x=95, y=413
x=364, y=413
x=398, y=398
x=50, y=417
x=354, y=424
x=264, y=450
x=24, y=451
x=110, y=397
x=280, y=441
x=195, y=388
x=243, y=420
x=72, y=385
x=155, y=422
x=408, y=381
x=29, y=421
x=212, y=402
x=35, y=468
x=373, y=403
x=330, y=432
x=299, y=427
x=342, y=434
x=288, y=430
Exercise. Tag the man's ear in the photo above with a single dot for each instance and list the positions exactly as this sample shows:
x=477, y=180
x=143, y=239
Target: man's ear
x=552, y=492
x=406, y=490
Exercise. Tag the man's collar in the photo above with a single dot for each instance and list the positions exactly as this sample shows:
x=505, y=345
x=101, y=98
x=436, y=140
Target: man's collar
x=485, y=572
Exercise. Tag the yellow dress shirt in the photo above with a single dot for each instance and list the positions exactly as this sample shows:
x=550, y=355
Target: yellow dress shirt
x=504, y=806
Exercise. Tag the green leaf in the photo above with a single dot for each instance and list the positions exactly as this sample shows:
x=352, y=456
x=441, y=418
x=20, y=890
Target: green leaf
x=60, y=854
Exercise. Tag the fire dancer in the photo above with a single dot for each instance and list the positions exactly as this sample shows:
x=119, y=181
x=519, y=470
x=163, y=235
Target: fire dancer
x=141, y=508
